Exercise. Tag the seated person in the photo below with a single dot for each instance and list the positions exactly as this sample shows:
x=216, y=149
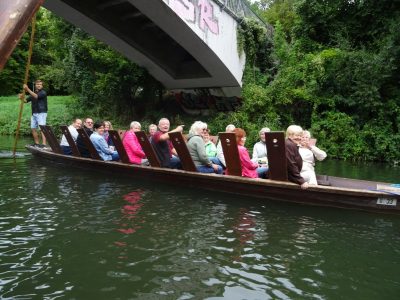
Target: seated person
x=163, y=147
x=220, y=152
x=308, y=153
x=211, y=149
x=249, y=169
x=74, y=133
x=132, y=145
x=152, y=130
x=88, y=127
x=294, y=161
x=260, y=149
x=106, y=135
x=106, y=152
x=197, y=149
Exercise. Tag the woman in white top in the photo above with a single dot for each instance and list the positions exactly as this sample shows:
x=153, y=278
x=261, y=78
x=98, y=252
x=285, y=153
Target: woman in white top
x=260, y=149
x=309, y=152
x=74, y=133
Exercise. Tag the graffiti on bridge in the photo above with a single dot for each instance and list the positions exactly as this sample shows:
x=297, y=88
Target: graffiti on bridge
x=195, y=103
x=187, y=10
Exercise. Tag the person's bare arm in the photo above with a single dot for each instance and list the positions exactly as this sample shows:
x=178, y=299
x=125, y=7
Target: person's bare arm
x=165, y=136
x=27, y=89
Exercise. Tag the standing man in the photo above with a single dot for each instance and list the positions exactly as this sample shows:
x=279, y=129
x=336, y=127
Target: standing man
x=39, y=108
x=163, y=147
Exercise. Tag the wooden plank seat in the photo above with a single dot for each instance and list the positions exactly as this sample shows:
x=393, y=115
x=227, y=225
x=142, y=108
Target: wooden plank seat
x=70, y=140
x=148, y=149
x=88, y=143
x=231, y=153
x=183, y=152
x=276, y=153
x=51, y=139
x=117, y=141
x=121, y=133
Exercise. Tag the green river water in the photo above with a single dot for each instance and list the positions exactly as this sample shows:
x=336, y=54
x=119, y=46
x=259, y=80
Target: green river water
x=68, y=233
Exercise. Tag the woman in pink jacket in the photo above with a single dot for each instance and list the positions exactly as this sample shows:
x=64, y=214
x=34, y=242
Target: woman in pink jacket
x=132, y=145
x=249, y=168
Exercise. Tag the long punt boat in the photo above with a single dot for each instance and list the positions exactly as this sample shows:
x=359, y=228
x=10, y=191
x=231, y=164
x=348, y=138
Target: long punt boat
x=341, y=192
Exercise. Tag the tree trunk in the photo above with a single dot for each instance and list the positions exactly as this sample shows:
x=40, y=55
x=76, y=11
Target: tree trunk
x=15, y=16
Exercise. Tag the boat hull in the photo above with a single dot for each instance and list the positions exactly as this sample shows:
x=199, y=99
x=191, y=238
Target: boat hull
x=351, y=198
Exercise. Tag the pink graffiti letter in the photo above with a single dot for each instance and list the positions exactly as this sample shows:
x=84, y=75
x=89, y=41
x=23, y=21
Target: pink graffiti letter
x=206, y=16
x=184, y=9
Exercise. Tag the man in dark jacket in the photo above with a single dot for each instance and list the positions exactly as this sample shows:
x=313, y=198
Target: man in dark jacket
x=39, y=108
x=88, y=127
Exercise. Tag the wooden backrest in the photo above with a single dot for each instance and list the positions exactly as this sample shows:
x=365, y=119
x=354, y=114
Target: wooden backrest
x=117, y=141
x=276, y=153
x=148, y=149
x=88, y=143
x=70, y=140
x=51, y=139
x=121, y=133
x=231, y=153
x=183, y=152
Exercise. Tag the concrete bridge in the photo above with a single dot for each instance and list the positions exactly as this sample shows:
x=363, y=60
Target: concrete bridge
x=184, y=44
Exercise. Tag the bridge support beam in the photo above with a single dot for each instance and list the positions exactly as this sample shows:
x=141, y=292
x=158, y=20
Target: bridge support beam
x=15, y=16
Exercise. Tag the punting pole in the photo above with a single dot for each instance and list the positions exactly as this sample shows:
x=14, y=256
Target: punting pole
x=15, y=16
x=28, y=65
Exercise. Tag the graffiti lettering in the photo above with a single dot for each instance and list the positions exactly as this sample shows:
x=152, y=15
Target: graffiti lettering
x=184, y=9
x=206, y=16
x=188, y=11
x=193, y=104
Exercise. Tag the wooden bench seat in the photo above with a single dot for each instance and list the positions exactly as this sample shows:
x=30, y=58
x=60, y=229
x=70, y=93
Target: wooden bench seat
x=231, y=153
x=51, y=139
x=148, y=149
x=70, y=140
x=117, y=141
x=181, y=148
x=276, y=153
x=88, y=143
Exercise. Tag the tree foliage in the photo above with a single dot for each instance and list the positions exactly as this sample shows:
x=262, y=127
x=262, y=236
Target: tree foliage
x=331, y=66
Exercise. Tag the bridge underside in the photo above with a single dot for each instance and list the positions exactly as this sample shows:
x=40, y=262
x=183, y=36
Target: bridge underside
x=152, y=35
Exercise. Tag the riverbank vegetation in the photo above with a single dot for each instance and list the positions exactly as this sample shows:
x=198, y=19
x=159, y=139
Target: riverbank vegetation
x=329, y=66
x=60, y=113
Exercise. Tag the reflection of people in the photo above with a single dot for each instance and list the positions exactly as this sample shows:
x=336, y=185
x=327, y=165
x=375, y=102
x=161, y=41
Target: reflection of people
x=244, y=229
x=294, y=161
x=39, y=109
x=308, y=153
x=74, y=133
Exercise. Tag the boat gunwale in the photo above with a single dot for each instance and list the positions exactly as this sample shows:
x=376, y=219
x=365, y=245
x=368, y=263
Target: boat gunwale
x=230, y=178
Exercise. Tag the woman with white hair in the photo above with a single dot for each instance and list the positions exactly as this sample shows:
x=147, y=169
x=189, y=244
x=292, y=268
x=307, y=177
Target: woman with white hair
x=220, y=152
x=294, y=161
x=260, y=149
x=197, y=149
x=309, y=152
x=132, y=146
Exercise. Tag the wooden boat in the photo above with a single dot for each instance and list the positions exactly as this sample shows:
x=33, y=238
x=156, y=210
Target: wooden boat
x=341, y=192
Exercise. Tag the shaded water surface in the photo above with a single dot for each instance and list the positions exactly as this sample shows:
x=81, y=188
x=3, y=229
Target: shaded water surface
x=73, y=234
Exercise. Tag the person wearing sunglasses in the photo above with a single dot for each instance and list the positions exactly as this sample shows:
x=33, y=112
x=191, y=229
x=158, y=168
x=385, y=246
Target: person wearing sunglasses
x=88, y=127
